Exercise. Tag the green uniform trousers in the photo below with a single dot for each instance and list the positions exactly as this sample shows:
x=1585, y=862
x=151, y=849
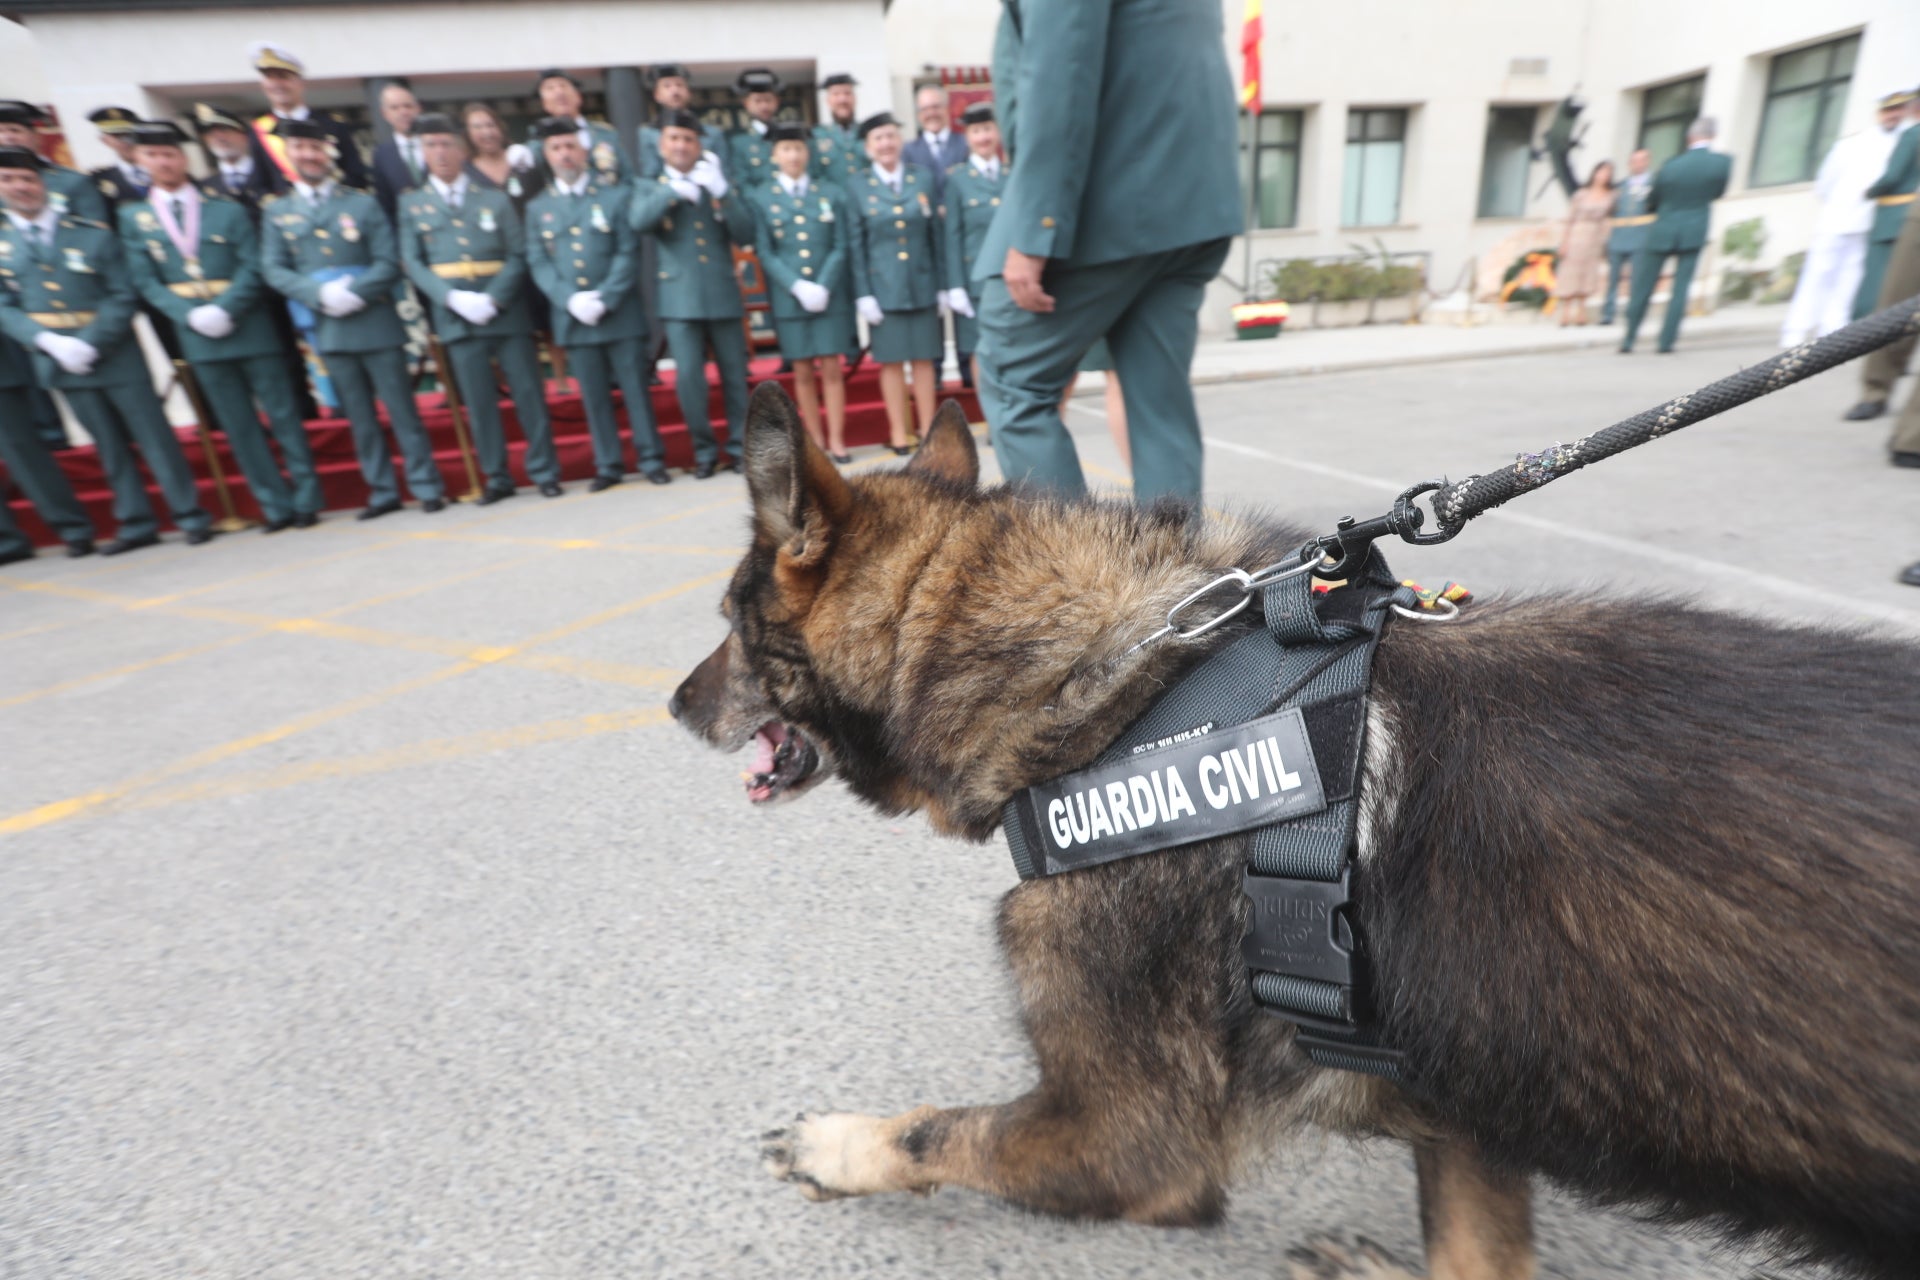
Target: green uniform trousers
x=121, y=419
x=688, y=341
x=598, y=365
x=1873, y=275
x=233, y=388
x=357, y=377
x=473, y=360
x=1616, y=267
x=1148, y=309
x=35, y=470
x=12, y=541
x=1902, y=280
x=1647, y=264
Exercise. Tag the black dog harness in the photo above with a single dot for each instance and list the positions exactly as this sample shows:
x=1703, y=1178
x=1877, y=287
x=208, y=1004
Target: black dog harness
x=1266, y=736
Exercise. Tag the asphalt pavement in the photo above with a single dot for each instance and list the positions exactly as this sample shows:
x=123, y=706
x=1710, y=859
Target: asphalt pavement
x=362, y=914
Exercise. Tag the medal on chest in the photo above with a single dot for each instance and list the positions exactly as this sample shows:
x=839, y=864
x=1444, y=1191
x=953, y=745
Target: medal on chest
x=144, y=219
x=603, y=157
x=349, y=229
x=599, y=219
x=486, y=222
x=76, y=260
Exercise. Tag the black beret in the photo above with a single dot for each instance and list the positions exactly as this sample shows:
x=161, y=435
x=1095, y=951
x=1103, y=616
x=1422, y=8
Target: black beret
x=880, y=121
x=207, y=116
x=113, y=119
x=158, y=133
x=553, y=127
x=789, y=131
x=977, y=113
x=12, y=112
x=434, y=122
x=838, y=78
x=553, y=73
x=286, y=127
x=20, y=158
x=756, y=80
x=668, y=70
x=679, y=118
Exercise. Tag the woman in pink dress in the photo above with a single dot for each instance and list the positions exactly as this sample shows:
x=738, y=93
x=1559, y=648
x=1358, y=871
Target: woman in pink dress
x=1583, y=247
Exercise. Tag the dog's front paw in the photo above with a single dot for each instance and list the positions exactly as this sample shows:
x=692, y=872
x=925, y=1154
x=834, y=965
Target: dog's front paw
x=835, y=1154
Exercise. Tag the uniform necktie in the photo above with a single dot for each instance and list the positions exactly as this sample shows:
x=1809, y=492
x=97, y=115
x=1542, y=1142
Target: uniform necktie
x=179, y=212
x=37, y=240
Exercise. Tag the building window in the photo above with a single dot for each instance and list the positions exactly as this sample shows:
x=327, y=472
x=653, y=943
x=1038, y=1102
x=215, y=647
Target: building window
x=1509, y=155
x=1806, y=94
x=1665, y=112
x=1376, y=151
x=1275, y=168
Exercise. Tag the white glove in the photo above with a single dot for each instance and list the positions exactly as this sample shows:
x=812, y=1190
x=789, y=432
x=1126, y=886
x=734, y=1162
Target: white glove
x=869, y=309
x=210, y=321
x=72, y=354
x=959, y=303
x=519, y=157
x=687, y=189
x=586, y=307
x=707, y=174
x=473, y=307
x=337, y=298
x=810, y=295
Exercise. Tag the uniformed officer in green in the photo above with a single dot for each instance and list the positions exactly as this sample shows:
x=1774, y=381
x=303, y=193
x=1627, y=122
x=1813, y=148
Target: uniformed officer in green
x=69, y=298
x=1111, y=223
x=68, y=190
x=330, y=249
x=972, y=199
x=672, y=91
x=1891, y=196
x=560, y=99
x=26, y=456
x=196, y=260
x=894, y=242
x=583, y=252
x=1631, y=219
x=839, y=156
x=464, y=250
x=696, y=221
x=1682, y=202
x=1900, y=279
x=799, y=227
x=750, y=151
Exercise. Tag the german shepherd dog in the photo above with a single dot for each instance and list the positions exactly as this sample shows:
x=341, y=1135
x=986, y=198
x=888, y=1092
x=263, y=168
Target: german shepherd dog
x=1641, y=882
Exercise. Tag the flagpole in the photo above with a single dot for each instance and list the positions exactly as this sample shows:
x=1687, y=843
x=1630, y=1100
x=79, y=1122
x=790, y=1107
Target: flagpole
x=1252, y=33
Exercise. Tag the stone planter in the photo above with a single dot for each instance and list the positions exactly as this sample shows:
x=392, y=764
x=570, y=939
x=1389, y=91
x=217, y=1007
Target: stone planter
x=1357, y=311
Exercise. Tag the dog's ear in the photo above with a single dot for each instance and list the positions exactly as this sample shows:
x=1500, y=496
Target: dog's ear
x=798, y=494
x=948, y=452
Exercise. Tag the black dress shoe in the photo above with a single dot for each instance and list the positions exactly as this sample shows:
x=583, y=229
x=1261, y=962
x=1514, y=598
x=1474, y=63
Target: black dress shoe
x=658, y=475
x=379, y=509
x=551, y=489
x=199, y=537
x=1902, y=458
x=79, y=547
x=728, y=462
x=901, y=450
x=704, y=471
x=844, y=459
x=114, y=546
x=1911, y=575
x=306, y=520
x=493, y=494
x=602, y=481
x=1864, y=410
x=433, y=506
x=277, y=526
x=15, y=557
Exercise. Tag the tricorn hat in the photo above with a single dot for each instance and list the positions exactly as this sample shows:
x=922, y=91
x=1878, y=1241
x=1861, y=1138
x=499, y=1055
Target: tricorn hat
x=880, y=121
x=789, y=131
x=15, y=112
x=838, y=78
x=20, y=158
x=667, y=71
x=756, y=80
x=679, y=118
x=158, y=133
x=286, y=127
x=434, y=122
x=553, y=73
x=553, y=127
x=977, y=113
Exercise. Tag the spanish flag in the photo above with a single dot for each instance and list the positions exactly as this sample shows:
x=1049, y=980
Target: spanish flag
x=1250, y=34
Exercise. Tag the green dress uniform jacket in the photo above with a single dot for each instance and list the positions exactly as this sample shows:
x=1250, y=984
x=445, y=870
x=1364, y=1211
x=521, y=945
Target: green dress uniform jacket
x=712, y=138
x=343, y=231
x=79, y=286
x=249, y=363
x=804, y=237
x=749, y=158
x=74, y=192
x=972, y=200
x=586, y=242
x=838, y=154
x=480, y=247
x=1892, y=195
x=1632, y=216
x=606, y=158
x=699, y=300
x=895, y=244
x=26, y=456
x=1682, y=200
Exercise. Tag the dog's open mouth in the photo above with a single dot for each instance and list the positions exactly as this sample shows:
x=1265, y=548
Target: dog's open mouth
x=782, y=760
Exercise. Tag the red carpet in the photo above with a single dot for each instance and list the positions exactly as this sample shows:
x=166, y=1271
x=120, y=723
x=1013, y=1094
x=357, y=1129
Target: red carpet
x=340, y=474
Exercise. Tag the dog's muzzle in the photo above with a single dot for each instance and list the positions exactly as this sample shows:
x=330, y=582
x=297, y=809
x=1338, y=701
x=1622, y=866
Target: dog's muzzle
x=783, y=759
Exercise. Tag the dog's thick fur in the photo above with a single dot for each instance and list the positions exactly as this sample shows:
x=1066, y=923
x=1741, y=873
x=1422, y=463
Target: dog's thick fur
x=1640, y=881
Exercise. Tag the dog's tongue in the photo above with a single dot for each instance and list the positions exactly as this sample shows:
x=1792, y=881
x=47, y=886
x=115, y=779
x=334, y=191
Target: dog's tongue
x=766, y=742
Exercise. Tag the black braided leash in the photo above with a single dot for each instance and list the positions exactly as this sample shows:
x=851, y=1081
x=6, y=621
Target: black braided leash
x=1456, y=503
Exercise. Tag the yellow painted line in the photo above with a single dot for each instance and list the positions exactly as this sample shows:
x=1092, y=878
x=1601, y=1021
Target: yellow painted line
x=44, y=628
x=130, y=669
x=434, y=751
x=622, y=610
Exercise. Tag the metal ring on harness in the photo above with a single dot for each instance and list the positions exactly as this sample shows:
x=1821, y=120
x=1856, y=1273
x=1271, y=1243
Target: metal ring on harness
x=1435, y=614
x=1237, y=577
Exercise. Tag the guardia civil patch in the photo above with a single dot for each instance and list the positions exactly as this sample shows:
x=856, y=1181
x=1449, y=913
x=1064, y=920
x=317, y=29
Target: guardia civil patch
x=1197, y=785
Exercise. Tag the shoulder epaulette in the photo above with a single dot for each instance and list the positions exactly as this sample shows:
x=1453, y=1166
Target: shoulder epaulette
x=268, y=198
x=75, y=220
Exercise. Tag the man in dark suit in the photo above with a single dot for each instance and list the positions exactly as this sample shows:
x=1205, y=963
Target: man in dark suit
x=1122, y=197
x=398, y=163
x=123, y=180
x=283, y=81
x=1682, y=201
x=940, y=146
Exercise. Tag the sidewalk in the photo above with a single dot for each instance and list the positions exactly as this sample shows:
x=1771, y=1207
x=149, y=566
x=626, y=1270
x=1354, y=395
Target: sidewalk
x=1297, y=353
